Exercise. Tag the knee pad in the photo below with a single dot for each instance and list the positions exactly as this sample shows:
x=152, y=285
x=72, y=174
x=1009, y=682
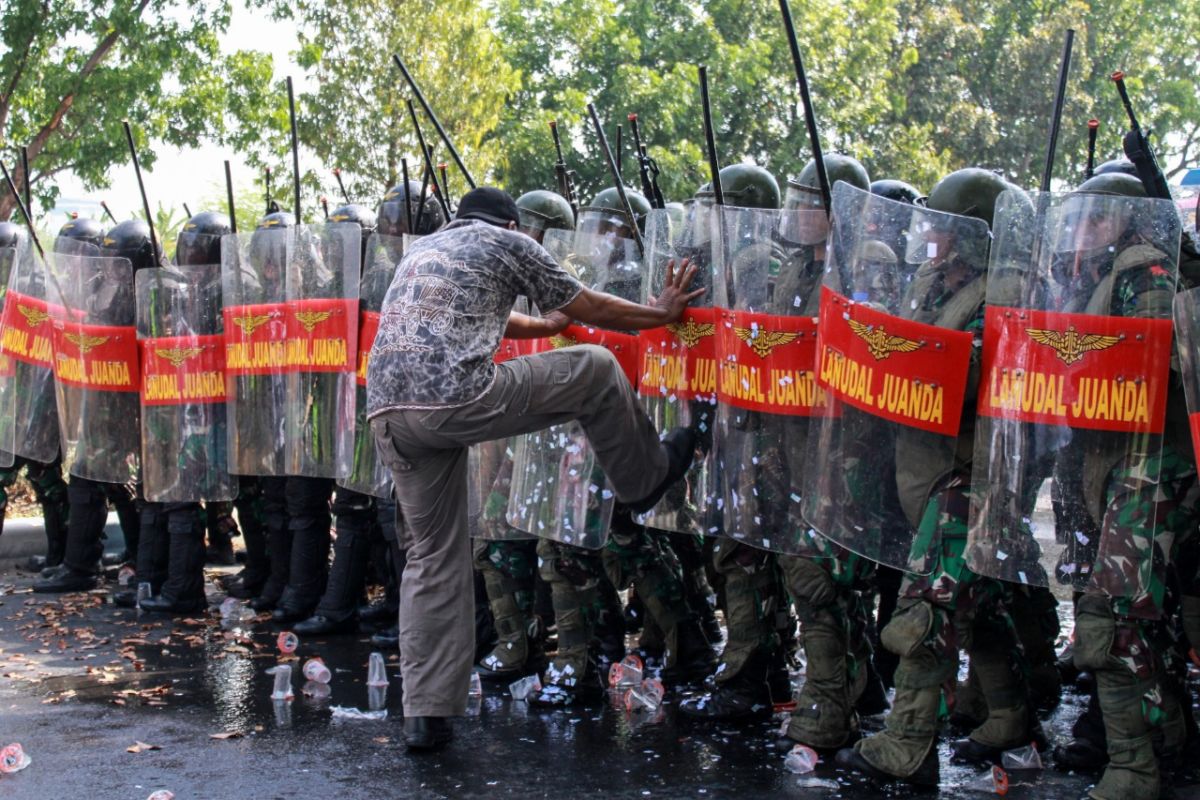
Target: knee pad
x=908, y=629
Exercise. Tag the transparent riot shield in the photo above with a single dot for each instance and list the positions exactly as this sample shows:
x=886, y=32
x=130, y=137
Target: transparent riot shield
x=766, y=390
x=182, y=343
x=558, y=489
x=91, y=302
x=490, y=465
x=677, y=378
x=902, y=286
x=26, y=342
x=322, y=293
x=1186, y=314
x=368, y=474
x=253, y=277
x=1073, y=392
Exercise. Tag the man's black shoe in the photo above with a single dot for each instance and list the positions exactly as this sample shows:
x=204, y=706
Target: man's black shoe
x=125, y=599
x=378, y=614
x=729, y=704
x=680, y=445
x=65, y=579
x=427, y=733
x=320, y=625
x=263, y=603
x=165, y=605
x=387, y=640
x=926, y=775
x=285, y=615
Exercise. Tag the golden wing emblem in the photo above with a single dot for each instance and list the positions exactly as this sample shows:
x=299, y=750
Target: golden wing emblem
x=1071, y=345
x=251, y=322
x=310, y=319
x=559, y=341
x=880, y=343
x=691, y=332
x=34, y=316
x=763, y=342
x=177, y=355
x=84, y=342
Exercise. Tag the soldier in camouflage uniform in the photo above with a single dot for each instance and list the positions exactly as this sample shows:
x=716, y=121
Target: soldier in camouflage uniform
x=950, y=608
x=509, y=566
x=1122, y=627
x=582, y=582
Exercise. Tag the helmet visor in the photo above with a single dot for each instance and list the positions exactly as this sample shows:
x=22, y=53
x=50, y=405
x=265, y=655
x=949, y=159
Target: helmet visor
x=804, y=221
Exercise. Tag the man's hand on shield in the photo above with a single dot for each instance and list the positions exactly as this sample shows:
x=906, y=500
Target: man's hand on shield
x=675, y=295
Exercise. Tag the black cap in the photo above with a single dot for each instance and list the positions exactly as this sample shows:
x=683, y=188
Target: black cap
x=489, y=204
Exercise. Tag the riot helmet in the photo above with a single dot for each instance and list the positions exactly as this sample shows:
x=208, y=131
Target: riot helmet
x=542, y=210
x=81, y=236
x=269, y=248
x=131, y=240
x=1092, y=221
x=745, y=186
x=606, y=213
x=970, y=192
x=393, y=219
x=199, y=241
x=805, y=221
x=899, y=191
x=1118, y=165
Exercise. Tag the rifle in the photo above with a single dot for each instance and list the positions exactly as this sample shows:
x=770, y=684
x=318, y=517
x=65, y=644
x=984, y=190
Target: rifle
x=1137, y=148
x=337, y=173
x=412, y=84
x=108, y=211
x=647, y=168
x=1060, y=97
x=563, y=175
x=428, y=156
x=810, y=117
x=616, y=175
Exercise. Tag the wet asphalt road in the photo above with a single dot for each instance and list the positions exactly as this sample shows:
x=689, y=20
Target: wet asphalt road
x=81, y=681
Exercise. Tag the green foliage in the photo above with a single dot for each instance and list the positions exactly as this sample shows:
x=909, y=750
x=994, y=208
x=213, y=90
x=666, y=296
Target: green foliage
x=167, y=224
x=71, y=71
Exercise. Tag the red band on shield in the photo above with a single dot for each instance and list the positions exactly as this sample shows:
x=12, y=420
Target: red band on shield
x=256, y=339
x=680, y=360
x=368, y=326
x=98, y=357
x=766, y=363
x=1076, y=370
x=26, y=329
x=1194, y=424
x=621, y=345
x=510, y=349
x=182, y=370
x=892, y=368
x=321, y=335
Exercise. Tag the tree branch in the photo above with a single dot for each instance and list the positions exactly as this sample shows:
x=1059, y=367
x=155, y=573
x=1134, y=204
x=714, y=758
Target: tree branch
x=19, y=70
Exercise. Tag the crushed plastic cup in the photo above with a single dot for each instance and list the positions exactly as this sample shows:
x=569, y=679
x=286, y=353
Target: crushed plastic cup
x=626, y=673
x=1020, y=758
x=287, y=642
x=342, y=712
x=316, y=671
x=234, y=610
x=993, y=781
x=283, y=682
x=13, y=759
x=162, y=794
x=813, y=782
x=801, y=760
x=376, y=671
x=475, y=686
x=647, y=697
x=125, y=575
x=315, y=690
x=525, y=688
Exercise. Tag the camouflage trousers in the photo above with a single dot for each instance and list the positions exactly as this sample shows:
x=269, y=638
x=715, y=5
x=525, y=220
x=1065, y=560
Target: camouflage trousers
x=51, y=492
x=1124, y=630
x=578, y=578
x=754, y=610
x=939, y=614
x=827, y=595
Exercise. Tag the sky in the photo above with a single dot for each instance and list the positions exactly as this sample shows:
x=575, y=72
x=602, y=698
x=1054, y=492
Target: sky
x=174, y=179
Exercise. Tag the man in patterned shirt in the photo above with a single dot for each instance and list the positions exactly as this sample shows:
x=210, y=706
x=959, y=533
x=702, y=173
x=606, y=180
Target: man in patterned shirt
x=433, y=390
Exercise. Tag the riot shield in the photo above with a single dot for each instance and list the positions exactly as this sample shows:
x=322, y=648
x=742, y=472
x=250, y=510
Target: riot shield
x=1073, y=392
x=368, y=475
x=902, y=284
x=322, y=319
x=490, y=465
x=1186, y=314
x=558, y=489
x=91, y=302
x=28, y=387
x=253, y=269
x=182, y=344
x=677, y=378
x=766, y=392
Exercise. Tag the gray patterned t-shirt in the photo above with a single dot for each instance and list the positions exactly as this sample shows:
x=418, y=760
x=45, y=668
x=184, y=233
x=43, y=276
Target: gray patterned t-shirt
x=446, y=310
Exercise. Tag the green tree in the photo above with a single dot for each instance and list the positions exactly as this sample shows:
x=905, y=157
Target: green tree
x=356, y=119
x=71, y=71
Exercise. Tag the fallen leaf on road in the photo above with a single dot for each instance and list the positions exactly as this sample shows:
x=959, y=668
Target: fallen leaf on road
x=225, y=735
x=141, y=747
